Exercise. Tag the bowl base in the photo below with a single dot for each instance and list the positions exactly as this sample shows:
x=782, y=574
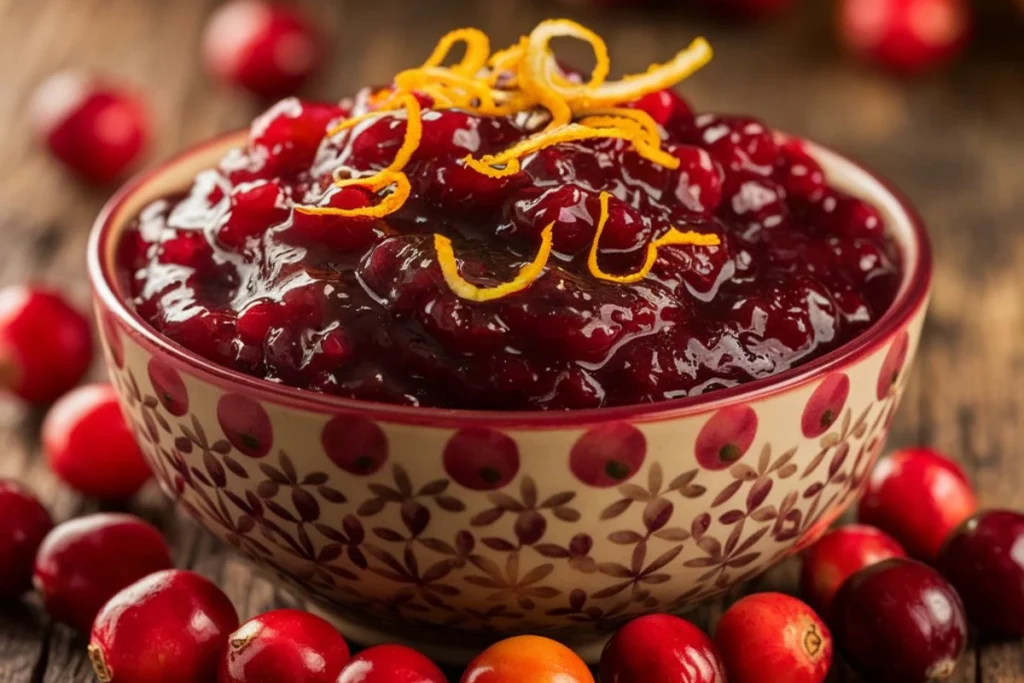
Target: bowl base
x=456, y=650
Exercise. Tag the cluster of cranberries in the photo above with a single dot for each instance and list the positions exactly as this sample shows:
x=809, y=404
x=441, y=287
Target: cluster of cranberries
x=903, y=36
x=99, y=129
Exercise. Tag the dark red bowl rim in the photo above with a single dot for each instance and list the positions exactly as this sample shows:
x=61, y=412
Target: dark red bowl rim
x=911, y=297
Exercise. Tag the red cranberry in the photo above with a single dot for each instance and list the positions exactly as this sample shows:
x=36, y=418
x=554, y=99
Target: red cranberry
x=98, y=130
x=285, y=138
x=45, y=344
x=666, y=107
x=697, y=183
x=726, y=437
x=837, y=556
x=25, y=523
x=89, y=446
x=254, y=207
x=266, y=48
x=481, y=459
x=391, y=664
x=169, y=627
x=984, y=560
x=753, y=202
x=284, y=645
x=919, y=497
x=898, y=621
x=905, y=36
x=661, y=648
x=801, y=176
x=84, y=562
x=737, y=143
x=769, y=637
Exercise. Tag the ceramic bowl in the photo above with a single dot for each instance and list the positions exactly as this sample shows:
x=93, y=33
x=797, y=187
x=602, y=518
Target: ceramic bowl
x=435, y=527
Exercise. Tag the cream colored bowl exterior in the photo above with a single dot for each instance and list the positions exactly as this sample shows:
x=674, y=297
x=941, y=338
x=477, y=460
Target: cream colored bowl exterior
x=386, y=524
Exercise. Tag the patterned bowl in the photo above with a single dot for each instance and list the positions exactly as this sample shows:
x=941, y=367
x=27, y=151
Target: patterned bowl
x=431, y=526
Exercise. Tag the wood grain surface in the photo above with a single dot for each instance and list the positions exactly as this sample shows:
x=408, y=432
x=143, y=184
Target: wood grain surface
x=953, y=142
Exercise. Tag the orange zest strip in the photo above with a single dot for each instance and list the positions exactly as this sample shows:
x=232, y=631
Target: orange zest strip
x=478, y=50
x=510, y=157
x=387, y=206
x=467, y=290
x=673, y=236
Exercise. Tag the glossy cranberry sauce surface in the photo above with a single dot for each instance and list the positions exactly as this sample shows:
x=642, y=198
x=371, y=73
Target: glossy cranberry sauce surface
x=358, y=307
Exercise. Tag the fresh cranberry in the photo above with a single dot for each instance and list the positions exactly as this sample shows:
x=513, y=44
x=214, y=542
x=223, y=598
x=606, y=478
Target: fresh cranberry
x=608, y=455
x=768, y=637
x=905, y=36
x=737, y=143
x=356, y=444
x=267, y=48
x=90, y=447
x=983, y=559
x=666, y=107
x=169, y=627
x=391, y=664
x=919, y=497
x=899, y=621
x=45, y=343
x=661, y=648
x=284, y=645
x=481, y=459
x=97, y=129
x=825, y=405
x=726, y=437
x=527, y=659
x=245, y=424
x=837, y=556
x=84, y=562
x=26, y=523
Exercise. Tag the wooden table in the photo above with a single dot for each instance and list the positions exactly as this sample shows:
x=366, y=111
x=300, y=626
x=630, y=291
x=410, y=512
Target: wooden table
x=953, y=142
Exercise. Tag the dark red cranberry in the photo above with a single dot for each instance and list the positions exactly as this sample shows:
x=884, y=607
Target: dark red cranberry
x=97, y=129
x=343, y=234
x=254, y=208
x=284, y=645
x=661, y=648
x=667, y=108
x=571, y=209
x=391, y=664
x=905, y=36
x=45, y=343
x=835, y=213
x=84, y=562
x=984, y=560
x=169, y=627
x=770, y=637
x=697, y=183
x=840, y=554
x=285, y=138
x=801, y=176
x=899, y=621
x=26, y=523
x=737, y=143
x=754, y=203
x=919, y=497
x=267, y=48
x=90, y=447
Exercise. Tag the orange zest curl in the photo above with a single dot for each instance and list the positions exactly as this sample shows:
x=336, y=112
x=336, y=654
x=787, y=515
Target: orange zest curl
x=523, y=78
x=467, y=290
x=673, y=236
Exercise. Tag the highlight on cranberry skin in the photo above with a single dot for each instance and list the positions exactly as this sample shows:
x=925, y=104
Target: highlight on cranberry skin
x=25, y=524
x=391, y=664
x=284, y=645
x=907, y=37
x=147, y=634
x=97, y=129
x=267, y=48
x=45, y=343
x=899, y=621
x=983, y=559
x=660, y=647
x=770, y=637
x=90, y=447
x=84, y=562
x=917, y=496
x=840, y=554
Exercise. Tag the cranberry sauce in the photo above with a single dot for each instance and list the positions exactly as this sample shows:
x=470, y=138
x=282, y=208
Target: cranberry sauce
x=358, y=307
